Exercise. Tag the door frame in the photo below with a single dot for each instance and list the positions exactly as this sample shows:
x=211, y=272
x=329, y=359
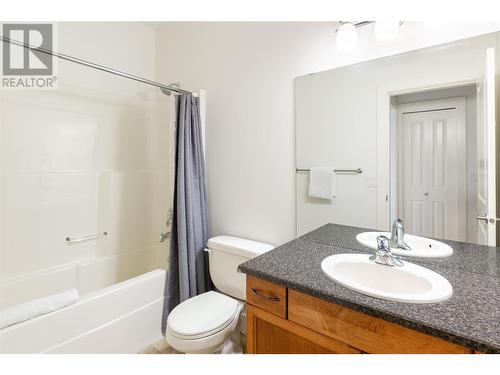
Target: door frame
x=384, y=135
x=396, y=200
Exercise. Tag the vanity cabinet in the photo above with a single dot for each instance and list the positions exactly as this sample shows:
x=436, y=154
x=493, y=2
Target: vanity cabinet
x=285, y=321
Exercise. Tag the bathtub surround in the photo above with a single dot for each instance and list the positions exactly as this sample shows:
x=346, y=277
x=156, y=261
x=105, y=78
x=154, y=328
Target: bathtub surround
x=188, y=273
x=92, y=156
x=81, y=160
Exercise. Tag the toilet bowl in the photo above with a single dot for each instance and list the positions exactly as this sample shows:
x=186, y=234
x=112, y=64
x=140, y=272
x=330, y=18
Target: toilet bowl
x=202, y=324
x=207, y=322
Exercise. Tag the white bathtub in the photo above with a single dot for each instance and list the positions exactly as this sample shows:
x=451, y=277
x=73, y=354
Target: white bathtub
x=121, y=318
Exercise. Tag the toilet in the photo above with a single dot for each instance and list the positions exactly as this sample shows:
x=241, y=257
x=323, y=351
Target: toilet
x=206, y=322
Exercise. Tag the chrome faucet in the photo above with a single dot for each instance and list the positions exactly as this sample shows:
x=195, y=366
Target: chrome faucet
x=397, y=235
x=383, y=254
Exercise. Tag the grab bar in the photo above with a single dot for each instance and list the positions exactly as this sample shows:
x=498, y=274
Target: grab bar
x=339, y=171
x=70, y=240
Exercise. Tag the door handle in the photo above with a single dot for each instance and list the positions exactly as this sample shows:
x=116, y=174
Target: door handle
x=485, y=218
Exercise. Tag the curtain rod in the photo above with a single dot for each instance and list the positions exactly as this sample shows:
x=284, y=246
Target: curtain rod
x=339, y=171
x=166, y=89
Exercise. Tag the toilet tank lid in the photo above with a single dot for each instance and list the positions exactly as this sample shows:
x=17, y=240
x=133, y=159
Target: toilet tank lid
x=238, y=246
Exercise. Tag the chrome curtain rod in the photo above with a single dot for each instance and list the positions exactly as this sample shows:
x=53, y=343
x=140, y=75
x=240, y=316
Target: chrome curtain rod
x=341, y=171
x=166, y=89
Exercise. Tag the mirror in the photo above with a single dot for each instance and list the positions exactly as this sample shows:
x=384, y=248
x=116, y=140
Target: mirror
x=409, y=136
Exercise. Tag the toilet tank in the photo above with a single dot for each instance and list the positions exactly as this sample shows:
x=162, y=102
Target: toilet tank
x=226, y=253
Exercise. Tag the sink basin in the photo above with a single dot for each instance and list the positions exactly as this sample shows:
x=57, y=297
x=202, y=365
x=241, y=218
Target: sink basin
x=409, y=283
x=421, y=247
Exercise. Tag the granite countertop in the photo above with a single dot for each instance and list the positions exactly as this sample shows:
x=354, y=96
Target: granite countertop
x=471, y=317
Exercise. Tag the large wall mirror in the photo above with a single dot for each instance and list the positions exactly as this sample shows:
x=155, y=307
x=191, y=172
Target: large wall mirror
x=409, y=136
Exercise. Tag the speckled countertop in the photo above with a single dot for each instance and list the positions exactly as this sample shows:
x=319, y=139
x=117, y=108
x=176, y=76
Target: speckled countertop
x=471, y=317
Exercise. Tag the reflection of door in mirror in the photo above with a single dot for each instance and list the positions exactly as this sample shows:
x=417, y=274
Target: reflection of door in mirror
x=432, y=162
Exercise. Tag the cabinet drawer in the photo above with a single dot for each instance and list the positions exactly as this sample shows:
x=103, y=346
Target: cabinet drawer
x=362, y=331
x=266, y=295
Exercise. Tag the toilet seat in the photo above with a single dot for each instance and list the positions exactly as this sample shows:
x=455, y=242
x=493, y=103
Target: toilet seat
x=203, y=315
x=202, y=324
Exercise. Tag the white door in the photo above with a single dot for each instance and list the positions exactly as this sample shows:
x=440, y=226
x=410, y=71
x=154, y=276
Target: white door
x=434, y=168
x=486, y=187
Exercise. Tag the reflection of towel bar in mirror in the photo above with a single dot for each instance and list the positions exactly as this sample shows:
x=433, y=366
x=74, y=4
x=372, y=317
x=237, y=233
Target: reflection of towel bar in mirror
x=338, y=171
x=72, y=240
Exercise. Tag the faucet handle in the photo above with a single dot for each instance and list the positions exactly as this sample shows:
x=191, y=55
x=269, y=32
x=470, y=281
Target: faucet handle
x=398, y=223
x=383, y=254
x=397, y=236
x=383, y=245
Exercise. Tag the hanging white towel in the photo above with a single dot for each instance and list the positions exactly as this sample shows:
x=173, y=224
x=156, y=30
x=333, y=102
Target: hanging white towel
x=322, y=182
x=40, y=306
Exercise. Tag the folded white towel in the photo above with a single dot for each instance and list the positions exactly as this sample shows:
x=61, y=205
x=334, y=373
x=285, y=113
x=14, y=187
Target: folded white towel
x=322, y=183
x=40, y=306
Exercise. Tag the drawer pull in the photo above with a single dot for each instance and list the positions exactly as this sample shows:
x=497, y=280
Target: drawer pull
x=269, y=298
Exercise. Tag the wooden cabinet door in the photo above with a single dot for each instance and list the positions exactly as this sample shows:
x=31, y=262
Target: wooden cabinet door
x=370, y=334
x=269, y=334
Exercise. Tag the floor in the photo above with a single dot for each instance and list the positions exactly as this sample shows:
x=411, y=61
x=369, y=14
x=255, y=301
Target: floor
x=160, y=347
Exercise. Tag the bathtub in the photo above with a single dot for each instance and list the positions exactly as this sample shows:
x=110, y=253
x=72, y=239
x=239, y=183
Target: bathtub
x=121, y=318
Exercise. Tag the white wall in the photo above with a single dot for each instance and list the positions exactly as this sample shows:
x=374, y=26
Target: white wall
x=248, y=71
x=89, y=157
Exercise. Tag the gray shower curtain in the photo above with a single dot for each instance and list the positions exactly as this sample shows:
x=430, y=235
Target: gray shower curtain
x=187, y=274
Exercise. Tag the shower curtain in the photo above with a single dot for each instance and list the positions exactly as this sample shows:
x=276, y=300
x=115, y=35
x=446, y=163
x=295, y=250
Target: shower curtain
x=187, y=274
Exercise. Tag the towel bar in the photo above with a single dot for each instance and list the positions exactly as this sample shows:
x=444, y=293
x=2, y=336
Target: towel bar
x=70, y=240
x=338, y=171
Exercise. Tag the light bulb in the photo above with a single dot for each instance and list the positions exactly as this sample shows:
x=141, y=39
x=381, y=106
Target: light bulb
x=386, y=30
x=347, y=37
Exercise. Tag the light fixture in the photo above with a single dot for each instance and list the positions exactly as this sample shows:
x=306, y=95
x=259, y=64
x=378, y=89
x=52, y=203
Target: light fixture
x=386, y=30
x=347, y=37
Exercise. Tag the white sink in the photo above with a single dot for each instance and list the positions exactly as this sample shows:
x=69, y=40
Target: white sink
x=409, y=283
x=421, y=247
